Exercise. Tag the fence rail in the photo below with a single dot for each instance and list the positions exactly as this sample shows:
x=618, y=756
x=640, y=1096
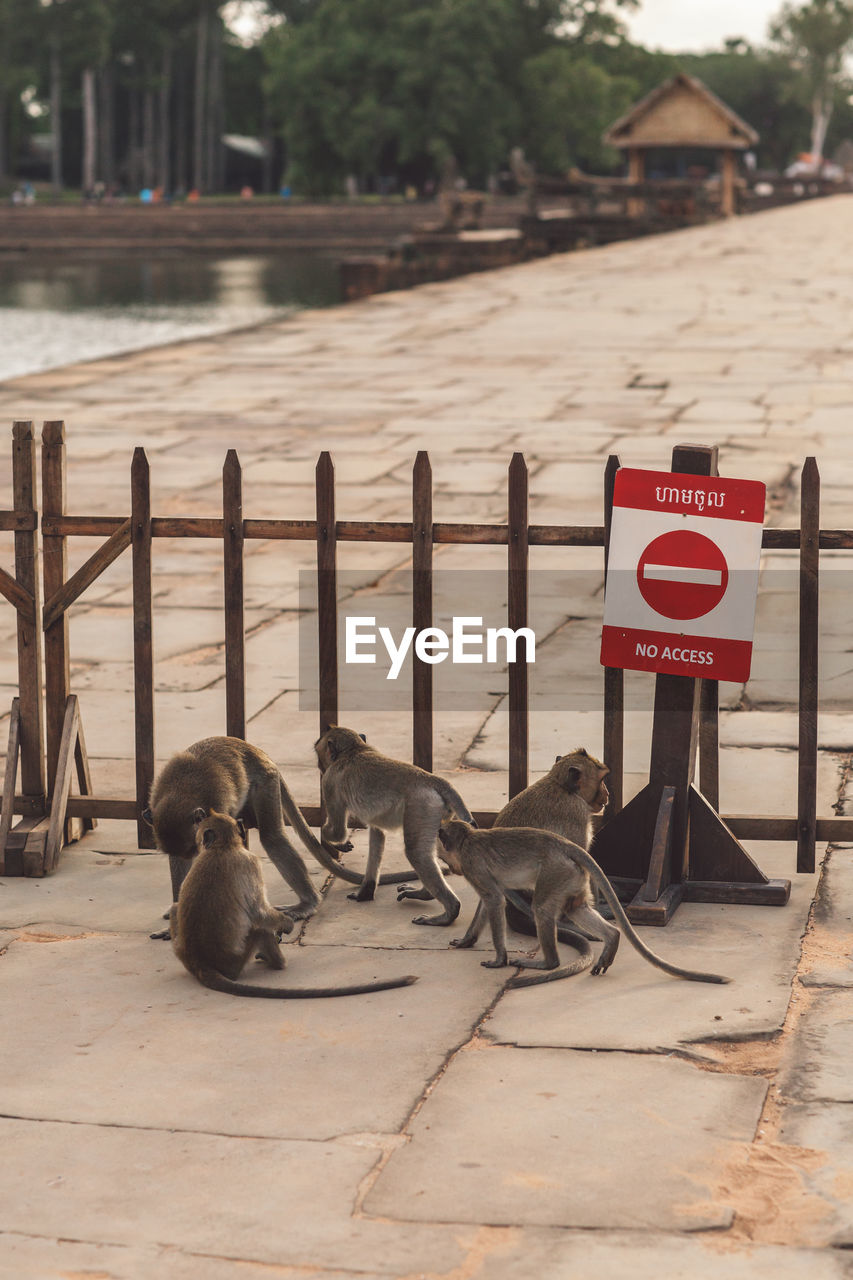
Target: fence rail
x=46, y=722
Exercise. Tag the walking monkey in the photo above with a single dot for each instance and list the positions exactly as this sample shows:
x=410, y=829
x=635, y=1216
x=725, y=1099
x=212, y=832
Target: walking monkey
x=223, y=917
x=558, y=873
x=362, y=784
x=231, y=776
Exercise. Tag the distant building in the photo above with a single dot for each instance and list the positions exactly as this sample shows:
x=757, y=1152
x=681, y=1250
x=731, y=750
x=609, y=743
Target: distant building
x=683, y=113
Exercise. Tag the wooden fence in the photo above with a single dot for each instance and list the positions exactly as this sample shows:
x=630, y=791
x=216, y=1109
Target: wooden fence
x=667, y=845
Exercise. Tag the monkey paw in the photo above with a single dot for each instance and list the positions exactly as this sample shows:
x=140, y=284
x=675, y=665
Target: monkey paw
x=362, y=895
x=494, y=964
x=301, y=911
x=405, y=891
x=444, y=919
x=162, y=935
x=599, y=968
x=461, y=942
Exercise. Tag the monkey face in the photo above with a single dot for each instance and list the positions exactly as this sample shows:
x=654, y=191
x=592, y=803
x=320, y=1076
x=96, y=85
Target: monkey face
x=175, y=838
x=450, y=837
x=601, y=796
x=581, y=773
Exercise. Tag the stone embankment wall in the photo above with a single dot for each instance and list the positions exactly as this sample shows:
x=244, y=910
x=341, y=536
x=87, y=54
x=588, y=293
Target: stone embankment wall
x=239, y=227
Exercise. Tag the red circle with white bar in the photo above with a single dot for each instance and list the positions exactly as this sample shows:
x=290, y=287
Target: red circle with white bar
x=682, y=574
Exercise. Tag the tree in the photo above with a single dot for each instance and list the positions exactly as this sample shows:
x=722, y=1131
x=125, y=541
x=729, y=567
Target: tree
x=761, y=86
x=376, y=88
x=16, y=55
x=569, y=101
x=78, y=41
x=816, y=37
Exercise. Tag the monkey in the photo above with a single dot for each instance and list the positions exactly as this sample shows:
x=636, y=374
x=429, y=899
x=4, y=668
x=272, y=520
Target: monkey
x=563, y=802
x=223, y=916
x=559, y=873
x=231, y=776
x=385, y=794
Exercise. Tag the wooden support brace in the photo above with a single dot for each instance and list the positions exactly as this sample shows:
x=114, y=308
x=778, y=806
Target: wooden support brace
x=13, y=751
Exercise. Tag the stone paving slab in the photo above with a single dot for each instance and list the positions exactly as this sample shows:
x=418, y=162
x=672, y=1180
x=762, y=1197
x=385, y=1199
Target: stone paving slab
x=206, y=1193
x=831, y=950
x=150, y=1016
x=23, y=1256
x=635, y=1006
x=105, y=883
x=823, y=1131
x=819, y=1067
x=461, y=1166
x=508, y=1253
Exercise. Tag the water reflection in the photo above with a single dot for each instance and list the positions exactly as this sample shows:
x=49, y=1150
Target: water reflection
x=57, y=311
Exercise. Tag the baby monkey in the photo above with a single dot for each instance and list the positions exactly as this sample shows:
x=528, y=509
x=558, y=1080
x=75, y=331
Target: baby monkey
x=559, y=874
x=223, y=917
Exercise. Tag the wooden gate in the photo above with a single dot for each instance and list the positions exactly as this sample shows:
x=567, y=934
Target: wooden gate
x=667, y=845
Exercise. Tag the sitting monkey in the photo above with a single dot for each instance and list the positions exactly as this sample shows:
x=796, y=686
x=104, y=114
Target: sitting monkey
x=223, y=917
x=558, y=873
x=563, y=802
x=361, y=784
x=231, y=776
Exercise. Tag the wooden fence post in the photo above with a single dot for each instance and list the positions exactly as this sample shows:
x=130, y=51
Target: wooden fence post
x=517, y=541
x=809, y=598
x=29, y=624
x=614, y=677
x=235, y=635
x=422, y=731
x=57, y=670
x=327, y=591
x=143, y=652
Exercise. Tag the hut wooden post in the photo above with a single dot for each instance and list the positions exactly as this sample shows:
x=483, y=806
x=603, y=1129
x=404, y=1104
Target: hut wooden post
x=727, y=182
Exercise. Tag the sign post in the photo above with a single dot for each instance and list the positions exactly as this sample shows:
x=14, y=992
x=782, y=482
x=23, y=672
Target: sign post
x=682, y=575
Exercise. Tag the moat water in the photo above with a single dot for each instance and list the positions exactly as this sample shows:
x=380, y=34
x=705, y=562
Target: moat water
x=59, y=311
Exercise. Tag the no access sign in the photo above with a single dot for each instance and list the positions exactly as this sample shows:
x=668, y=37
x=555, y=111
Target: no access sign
x=682, y=574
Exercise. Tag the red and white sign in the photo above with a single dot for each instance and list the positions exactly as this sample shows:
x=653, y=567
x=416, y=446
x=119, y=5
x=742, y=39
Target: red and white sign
x=682, y=574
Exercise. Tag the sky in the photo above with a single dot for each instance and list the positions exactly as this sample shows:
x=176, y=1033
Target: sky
x=676, y=26
x=679, y=26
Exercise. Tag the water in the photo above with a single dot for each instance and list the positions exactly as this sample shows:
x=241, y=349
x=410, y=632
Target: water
x=56, y=312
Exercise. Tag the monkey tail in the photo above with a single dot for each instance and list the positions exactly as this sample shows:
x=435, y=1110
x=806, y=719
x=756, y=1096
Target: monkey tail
x=319, y=850
x=583, y=962
x=692, y=975
x=451, y=797
x=217, y=982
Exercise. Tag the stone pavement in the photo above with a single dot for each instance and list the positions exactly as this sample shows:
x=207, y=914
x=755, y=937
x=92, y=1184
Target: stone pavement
x=150, y=1124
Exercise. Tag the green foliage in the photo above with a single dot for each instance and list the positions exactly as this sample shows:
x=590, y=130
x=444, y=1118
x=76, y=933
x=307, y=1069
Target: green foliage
x=568, y=101
x=815, y=38
x=760, y=85
x=393, y=90
x=374, y=87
